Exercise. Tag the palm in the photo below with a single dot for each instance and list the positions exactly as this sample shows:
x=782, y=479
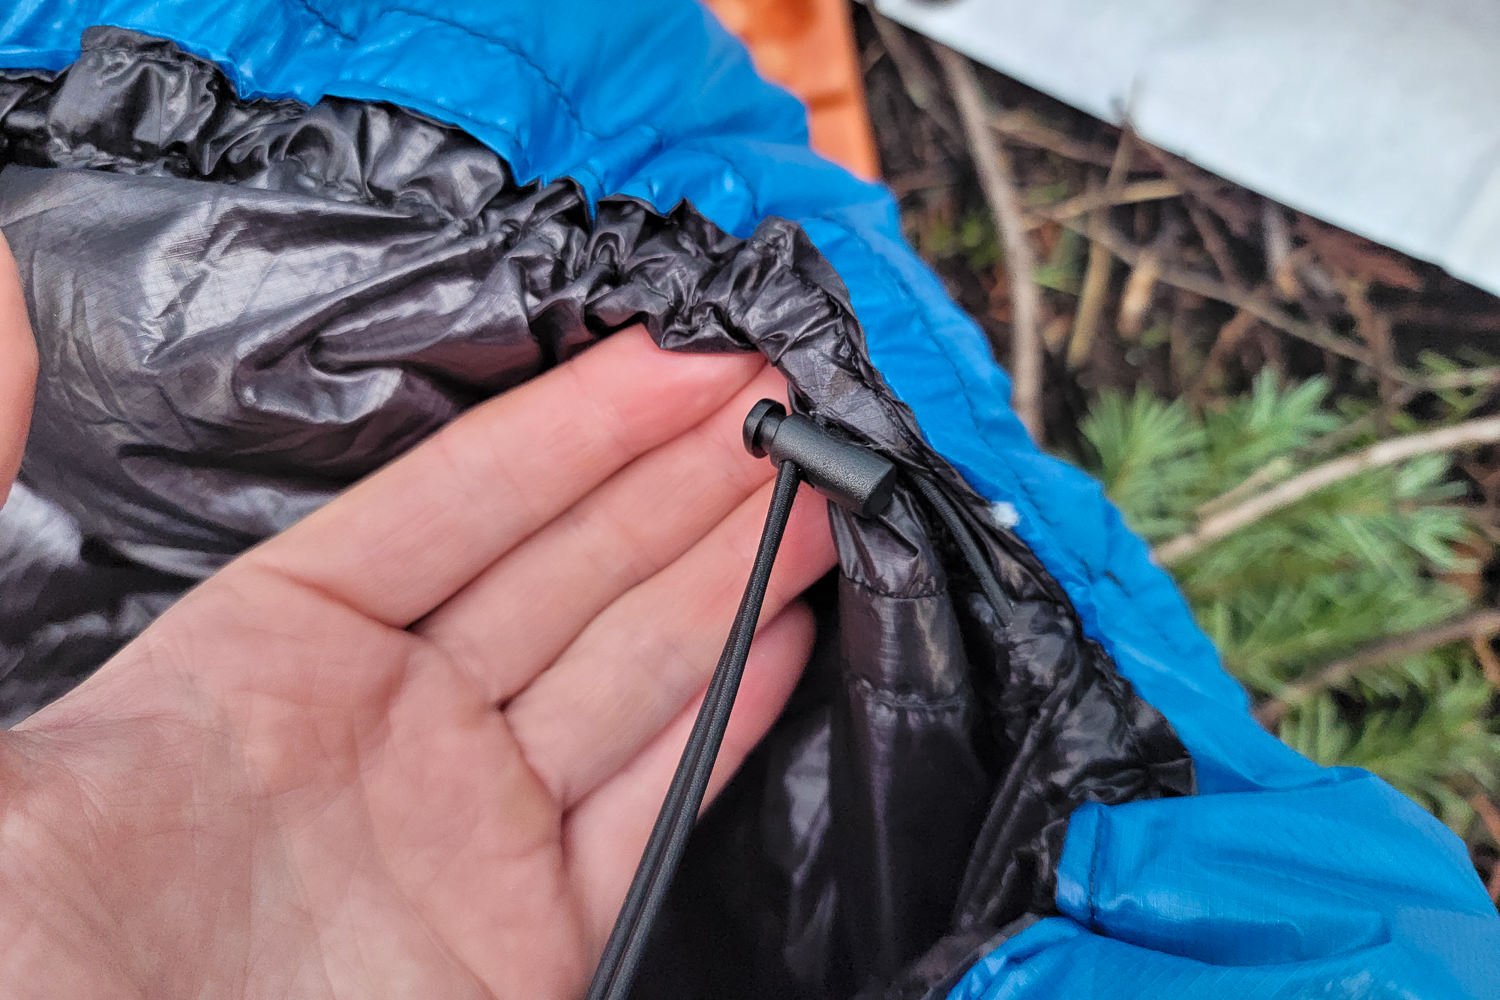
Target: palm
x=413, y=746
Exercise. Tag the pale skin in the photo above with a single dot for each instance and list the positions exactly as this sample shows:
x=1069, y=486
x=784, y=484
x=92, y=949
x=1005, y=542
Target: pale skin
x=412, y=746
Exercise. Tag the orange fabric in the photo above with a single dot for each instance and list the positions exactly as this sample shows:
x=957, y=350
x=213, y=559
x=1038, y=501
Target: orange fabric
x=807, y=46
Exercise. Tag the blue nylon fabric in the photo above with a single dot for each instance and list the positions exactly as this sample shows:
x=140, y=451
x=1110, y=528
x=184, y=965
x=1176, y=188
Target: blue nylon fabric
x=1281, y=878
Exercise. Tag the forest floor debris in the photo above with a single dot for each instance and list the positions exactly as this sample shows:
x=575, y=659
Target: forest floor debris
x=1302, y=422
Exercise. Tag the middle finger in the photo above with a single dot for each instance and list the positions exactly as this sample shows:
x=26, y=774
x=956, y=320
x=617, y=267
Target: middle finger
x=512, y=621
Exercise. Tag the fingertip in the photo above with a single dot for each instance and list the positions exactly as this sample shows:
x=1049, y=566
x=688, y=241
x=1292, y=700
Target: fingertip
x=19, y=365
x=698, y=380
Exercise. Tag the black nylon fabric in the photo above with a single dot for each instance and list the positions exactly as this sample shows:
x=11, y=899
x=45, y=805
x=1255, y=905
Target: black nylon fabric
x=242, y=307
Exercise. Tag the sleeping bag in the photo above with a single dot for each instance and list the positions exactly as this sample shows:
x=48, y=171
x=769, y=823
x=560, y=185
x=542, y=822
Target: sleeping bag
x=268, y=247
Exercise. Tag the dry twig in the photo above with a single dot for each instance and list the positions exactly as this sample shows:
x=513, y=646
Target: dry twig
x=1375, y=328
x=1342, y=252
x=1465, y=378
x=1229, y=337
x=1215, y=192
x=1482, y=430
x=1134, y=193
x=1484, y=652
x=1029, y=130
x=1424, y=314
x=1281, y=262
x=1096, y=272
x=1255, y=303
x=1139, y=291
x=1091, y=295
x=917, y=81
x=997, y=181
x=1489, y=815
x=1257, y=481
x=1481, y=623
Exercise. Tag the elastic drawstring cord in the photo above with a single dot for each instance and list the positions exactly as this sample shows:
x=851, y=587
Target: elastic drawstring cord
x=854, y=477
x=968, y=548
x=669, y=837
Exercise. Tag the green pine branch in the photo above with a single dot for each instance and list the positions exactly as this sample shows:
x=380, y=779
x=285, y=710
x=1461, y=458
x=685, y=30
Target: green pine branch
x=1365, y=558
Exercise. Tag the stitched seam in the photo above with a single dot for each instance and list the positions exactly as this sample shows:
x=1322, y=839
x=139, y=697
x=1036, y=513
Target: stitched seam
x=461, y=116
x=558, y=91
x=878, y=592
x=912, y=702
x=325, y=20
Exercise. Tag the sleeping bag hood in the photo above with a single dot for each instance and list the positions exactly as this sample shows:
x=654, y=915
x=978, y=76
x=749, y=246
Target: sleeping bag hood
x=268, y=248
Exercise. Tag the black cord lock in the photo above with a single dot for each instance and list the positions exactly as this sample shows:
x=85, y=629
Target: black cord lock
x=855, y=478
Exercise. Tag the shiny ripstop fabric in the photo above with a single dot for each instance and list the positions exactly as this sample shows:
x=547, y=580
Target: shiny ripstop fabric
x=243, y=307
x=1278, y=879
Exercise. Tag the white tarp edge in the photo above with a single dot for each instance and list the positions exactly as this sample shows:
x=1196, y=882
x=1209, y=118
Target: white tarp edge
x=1379, y=116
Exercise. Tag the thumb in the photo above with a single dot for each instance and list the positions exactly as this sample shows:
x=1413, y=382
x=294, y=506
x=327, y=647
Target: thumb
x=18, y=370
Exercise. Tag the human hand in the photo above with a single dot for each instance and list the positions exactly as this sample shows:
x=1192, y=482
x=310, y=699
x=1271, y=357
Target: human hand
x=414, y=745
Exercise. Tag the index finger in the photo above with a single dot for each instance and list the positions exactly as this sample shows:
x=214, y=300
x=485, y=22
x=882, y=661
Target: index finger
x=18, y=370
x=407, y=538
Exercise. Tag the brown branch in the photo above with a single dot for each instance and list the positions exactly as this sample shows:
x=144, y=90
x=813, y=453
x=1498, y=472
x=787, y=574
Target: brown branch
x=1139, y=291
x=1489, y=815
x=1375, y=329
x=1281, y=265
x=1489, y=663
x=1215, y=192
x=1226, y=341
x=1484, y=622
x=1096, y=273
x=1341, y=437
x=1253, y=303
x=1134, y=193
x=915, y=78
x=1466, y=378
x=996, y=180
x=1282, y=466
x=922, y=179
x=1215, y=244
x=1024, y=127
x=1183, y=357
x=1091, y=294
x=1482, y=430
x=1258, y=480
x=1442, y=316
x=1198, y=195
